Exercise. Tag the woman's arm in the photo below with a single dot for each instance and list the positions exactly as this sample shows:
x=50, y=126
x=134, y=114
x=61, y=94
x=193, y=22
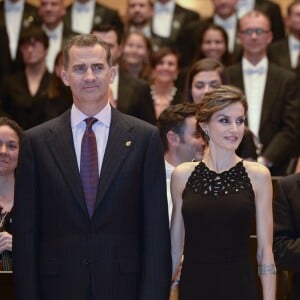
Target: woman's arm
x=178, y=181
x=262, y=185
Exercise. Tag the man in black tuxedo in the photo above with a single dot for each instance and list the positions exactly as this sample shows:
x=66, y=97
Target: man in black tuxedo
x=286, y=52
x=91, y=229
x=82, y=15
x=286, y=244
x=268, y=7
x=169, y=24
x=52, y=13
x=15, y=15
x=271, y=91
x=128, y=94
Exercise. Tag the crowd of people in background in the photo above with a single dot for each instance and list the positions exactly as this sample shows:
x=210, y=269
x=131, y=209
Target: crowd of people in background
x=166, y=59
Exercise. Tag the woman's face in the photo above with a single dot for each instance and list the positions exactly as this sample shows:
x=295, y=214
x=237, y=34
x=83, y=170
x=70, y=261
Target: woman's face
x=167, y=69
x=9, y=150
x=226, y=127
x=135, y=50
x=204, y=82
x=213, y=44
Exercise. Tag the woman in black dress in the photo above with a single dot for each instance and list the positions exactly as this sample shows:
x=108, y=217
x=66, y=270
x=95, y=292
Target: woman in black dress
x=10, y=136
x=215, y=203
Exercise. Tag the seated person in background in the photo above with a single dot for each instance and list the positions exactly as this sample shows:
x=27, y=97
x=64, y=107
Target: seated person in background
x=286, y=245
x=136, y=55
x=165, y=70
x=82, y=15
x=10, y=138
x=206, y=75
x=20, y=92
x=52, y=13
x=128, y=94
x=286, y=52
x=177, y=126
x=58, y=97
x=213, y=43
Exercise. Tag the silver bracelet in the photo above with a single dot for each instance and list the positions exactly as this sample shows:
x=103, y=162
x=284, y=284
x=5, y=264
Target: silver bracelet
x=266, y=269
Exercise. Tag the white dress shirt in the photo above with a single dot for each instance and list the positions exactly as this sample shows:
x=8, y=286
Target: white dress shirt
x=100, y=128
x=229, y=25
x=294, y=48
x=13, y=19
x=254, y=81
x=162, y=18
x=244, y=6
x=82, y=16
x=169, y=170
x=55, y=45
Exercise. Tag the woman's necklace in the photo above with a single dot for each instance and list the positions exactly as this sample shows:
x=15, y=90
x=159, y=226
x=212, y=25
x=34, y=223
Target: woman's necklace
x=161, y=102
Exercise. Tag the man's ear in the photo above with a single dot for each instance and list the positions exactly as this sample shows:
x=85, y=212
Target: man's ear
x=173, y=138
x=65, y=77
x=112, y=73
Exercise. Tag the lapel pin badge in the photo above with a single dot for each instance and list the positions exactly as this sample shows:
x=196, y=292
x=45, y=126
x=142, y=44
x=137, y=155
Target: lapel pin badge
x=128, y=143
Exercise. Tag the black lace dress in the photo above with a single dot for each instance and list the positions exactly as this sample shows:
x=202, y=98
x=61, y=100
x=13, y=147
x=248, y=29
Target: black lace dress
x=218, y=212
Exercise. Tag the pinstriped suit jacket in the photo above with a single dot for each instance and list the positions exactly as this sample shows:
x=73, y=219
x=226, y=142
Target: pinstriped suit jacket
x=124, y=248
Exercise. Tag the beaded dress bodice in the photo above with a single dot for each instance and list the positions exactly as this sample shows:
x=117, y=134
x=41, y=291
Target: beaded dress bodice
x=210, y=183
x=218, y=210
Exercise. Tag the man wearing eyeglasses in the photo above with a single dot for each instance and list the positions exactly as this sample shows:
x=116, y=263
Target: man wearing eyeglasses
x=271, y=92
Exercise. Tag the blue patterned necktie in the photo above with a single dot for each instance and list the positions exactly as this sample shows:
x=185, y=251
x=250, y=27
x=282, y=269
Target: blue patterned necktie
x=89, y=171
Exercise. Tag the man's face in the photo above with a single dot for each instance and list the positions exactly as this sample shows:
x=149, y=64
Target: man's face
x=139, y=12
x=33, y=52
x=293, y=20
x=111, y=39
x=224, y=8
x=52, y=12
x=191, y=145
x=88, y=75
x=255, y=35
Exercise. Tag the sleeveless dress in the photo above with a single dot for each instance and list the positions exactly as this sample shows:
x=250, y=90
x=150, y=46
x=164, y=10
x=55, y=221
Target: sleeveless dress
x=218, y=212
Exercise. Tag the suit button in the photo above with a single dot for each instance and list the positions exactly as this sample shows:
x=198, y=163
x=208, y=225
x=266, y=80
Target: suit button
x=86, y=261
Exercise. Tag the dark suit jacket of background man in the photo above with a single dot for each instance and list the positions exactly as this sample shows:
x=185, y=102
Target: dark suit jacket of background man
x=134, y=98
x=280, y=113
x=30, y=17
x=181, y=18
x=103, y=15
x=287, y=229
x=124, y=249
x=279, y=53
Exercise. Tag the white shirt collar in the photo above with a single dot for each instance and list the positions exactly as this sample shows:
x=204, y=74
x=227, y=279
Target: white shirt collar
x=229, y=22
x=87, y=6
x=19, y=5
x=294, y=43
x=103, y=116
x=247, y=64
x=168, y=7
x=56, y=33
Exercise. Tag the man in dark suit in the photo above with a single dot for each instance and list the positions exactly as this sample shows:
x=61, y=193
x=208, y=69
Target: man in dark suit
x=286, y=245
x=270, y=8
x=52, y=13
x=82, y=15
x=271, y=91
x=91, y=229
x=128, y=94
x=15, y=15
x=169, y=22
x=286, y=52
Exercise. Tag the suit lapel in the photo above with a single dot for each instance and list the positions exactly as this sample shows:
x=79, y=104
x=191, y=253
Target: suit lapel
x=120, y=142
x=177, y=23
x=61, y=145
